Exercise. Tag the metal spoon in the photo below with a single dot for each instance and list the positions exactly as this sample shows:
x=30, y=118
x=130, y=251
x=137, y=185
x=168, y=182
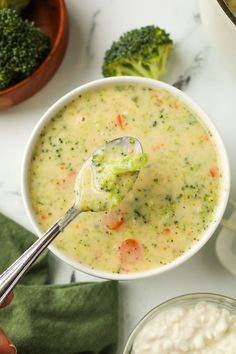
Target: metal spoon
x=11, y=276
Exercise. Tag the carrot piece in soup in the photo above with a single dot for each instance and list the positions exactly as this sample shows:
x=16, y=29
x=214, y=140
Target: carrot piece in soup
x=158, y=98
x=113, y=221
x=70, y=175
x=43, y=216
x=68, y=179
x=120, y=121
x=167, y=231
x=203, y=138
x=213, y=172
x=175, y=105
x=130, y=251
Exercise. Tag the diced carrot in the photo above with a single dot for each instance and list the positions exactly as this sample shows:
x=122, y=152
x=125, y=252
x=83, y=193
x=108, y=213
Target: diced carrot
x=213, y=172
x=203, y=138
x=116, y=224
x=43, y=216
x=130, y=251
x=120, y=121
x=157, y=96
x=166, y=231
x=175, y=105
x=113, y=221
x=68, y=179
x=70, y=175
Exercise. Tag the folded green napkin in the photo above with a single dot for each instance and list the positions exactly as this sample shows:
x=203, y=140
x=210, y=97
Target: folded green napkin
x=55, y=319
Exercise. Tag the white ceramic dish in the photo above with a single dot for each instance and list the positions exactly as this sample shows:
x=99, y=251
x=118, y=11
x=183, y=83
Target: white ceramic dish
x=220, y=25
x=224, y=192
x=188, y=299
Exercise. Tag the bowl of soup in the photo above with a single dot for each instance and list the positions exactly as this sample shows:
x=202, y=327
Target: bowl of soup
x=176, y=202
x=219, y=19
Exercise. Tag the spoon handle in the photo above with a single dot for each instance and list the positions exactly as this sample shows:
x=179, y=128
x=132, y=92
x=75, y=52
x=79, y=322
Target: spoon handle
x=11, y=276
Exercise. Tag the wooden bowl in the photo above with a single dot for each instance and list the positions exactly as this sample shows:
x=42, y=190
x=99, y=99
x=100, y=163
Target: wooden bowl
x=51, y=17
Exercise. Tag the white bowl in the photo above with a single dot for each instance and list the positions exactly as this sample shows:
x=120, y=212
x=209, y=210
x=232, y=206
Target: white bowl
x=224, y=191
x=220, y=25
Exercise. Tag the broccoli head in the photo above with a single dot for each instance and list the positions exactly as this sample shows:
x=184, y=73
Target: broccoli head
x=140, y=52
x=23, y=47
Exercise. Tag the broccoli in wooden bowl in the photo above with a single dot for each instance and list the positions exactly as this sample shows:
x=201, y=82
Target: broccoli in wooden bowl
x=33, y=40
x=23, y=48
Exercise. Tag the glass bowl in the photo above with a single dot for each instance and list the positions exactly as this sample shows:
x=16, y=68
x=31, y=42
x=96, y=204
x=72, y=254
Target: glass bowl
x=188, y=299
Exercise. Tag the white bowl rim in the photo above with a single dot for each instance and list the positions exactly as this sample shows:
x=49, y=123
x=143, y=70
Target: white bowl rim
x=119, y=80
x=184, y=298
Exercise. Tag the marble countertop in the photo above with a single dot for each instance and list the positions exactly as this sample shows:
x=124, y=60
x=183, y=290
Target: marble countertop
x=194, y=68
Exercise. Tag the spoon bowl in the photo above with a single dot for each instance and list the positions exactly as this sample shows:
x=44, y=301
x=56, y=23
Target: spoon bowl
x=99, y=185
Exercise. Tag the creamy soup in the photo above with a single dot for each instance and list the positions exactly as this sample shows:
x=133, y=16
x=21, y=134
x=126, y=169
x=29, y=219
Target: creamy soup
x=232, y=5
x=172, y=201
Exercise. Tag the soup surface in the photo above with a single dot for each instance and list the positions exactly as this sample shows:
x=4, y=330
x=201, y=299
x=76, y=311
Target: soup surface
x=232, y=5
x=173, y=199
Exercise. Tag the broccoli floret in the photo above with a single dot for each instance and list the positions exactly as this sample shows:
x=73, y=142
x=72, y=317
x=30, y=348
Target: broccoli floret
x=17, y=5
x=109, y=173
x=140, y=52
x=23, y=47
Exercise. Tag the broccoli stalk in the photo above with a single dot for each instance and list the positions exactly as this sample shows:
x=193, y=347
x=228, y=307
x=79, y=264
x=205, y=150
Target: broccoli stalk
x=23, y=47
x=140, y=52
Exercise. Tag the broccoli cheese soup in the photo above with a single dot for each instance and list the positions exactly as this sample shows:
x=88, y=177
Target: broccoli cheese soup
x=172, y=201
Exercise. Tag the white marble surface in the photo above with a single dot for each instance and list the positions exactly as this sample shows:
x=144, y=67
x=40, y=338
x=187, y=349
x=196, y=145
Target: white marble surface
x=194, y=67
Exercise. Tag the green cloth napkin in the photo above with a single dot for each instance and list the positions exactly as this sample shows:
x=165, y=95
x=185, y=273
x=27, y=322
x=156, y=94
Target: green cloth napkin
x=55, y=319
